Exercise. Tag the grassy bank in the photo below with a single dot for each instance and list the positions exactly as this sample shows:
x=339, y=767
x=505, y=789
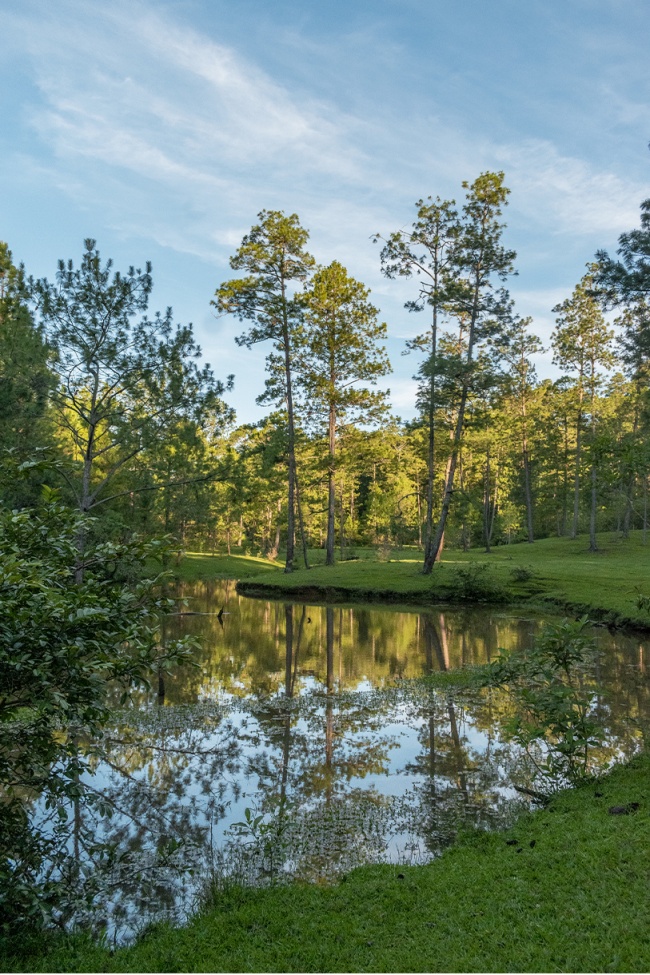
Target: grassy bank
x=566, y=889
x=201, y=568
x=558, y=573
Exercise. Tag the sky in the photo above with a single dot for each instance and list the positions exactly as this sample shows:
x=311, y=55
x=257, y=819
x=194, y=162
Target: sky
x=162, y=128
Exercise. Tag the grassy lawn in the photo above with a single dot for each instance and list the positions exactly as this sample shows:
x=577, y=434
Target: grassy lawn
x=566, y=889
x=561, y=574
x=196, y=567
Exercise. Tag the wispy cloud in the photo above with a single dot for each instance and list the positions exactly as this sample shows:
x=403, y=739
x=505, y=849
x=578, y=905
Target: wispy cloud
x=162, y=132
x=567, y=194
x=136, y=91
x=177, y=121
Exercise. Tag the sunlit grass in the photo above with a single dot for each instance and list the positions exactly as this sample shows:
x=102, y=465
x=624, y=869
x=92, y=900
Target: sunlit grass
x=556, y=572
x=196, y=566
x=566, y=889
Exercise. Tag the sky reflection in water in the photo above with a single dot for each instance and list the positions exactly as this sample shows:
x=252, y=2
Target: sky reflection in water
x=306, y=716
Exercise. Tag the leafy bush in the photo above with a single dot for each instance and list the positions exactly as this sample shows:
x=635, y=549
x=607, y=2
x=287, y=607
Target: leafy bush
x=474, y=584
x=522, y=573
x=554, y=717
x=642, y=600
x=66, y=635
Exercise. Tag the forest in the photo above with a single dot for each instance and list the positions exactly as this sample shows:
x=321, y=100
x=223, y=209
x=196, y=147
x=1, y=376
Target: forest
x=113, y=407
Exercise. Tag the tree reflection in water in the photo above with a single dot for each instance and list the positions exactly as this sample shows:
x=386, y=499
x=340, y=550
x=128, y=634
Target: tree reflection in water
x=301, y=714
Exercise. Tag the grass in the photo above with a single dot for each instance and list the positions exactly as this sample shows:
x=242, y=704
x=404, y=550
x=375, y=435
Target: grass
x=566, y=889
x=556, y=573
x=196, y=567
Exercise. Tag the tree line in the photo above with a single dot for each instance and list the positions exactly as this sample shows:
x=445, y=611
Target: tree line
x=115, y=407
x=116, y=432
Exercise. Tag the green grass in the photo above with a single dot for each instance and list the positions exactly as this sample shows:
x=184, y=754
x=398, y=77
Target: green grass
x=196, y=567
x=563, y=575
x=571, y=894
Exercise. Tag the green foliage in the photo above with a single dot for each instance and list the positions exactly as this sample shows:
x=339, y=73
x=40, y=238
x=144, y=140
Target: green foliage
x=643, y=601
x=339, y=350
x=273, y=255
x=522, y=573
x=127, y=385
x=264, y=837
x=64, y=644
x=627, y=279
x=475, y=583
x=25, y=376
x=554, y=702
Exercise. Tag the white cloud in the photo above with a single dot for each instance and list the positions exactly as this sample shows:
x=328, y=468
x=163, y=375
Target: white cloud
x=403, y=393
x=196, y=138
x=135, y=90
x=565, y=194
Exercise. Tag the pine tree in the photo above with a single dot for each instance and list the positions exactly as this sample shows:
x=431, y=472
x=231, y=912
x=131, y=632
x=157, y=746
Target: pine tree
x=273, y=255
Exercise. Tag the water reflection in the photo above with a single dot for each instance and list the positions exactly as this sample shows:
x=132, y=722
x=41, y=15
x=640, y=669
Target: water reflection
x=242, y=652
x=303, y=715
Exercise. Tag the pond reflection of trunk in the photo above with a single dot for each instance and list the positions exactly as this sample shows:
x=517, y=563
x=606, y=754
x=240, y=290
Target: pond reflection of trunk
x=436, y=644
x=432, y=645
x=290, y=673
x=329, y=702
x=289, y=683
x=458, y=749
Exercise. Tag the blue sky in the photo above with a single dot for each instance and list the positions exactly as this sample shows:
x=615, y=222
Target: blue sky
x=162, y=128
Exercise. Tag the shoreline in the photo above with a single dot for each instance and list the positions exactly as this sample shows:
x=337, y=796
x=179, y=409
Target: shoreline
x=564, y=888
x=340, y=595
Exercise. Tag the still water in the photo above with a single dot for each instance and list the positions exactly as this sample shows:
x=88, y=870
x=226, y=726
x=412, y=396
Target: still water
x=300, y=746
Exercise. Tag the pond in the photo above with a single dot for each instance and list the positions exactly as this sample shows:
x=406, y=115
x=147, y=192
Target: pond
x=301, y=746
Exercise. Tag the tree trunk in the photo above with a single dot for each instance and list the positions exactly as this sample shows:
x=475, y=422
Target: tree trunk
x=331, y=495
x=495, y=500
x=429, y=554
x=565, y=480
x=529, y=500
x=593, y=547
x=303, y=537
x=291, y=438
x=629, y=506
x=275, y=547
x=576, y=480
x=436, y=545
x=526, y=462
x=486, y=503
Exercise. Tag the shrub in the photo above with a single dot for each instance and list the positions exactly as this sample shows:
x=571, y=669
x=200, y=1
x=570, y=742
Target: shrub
x=554, y=719
x=522, y=573
x=65, y=636
x=474, y=584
